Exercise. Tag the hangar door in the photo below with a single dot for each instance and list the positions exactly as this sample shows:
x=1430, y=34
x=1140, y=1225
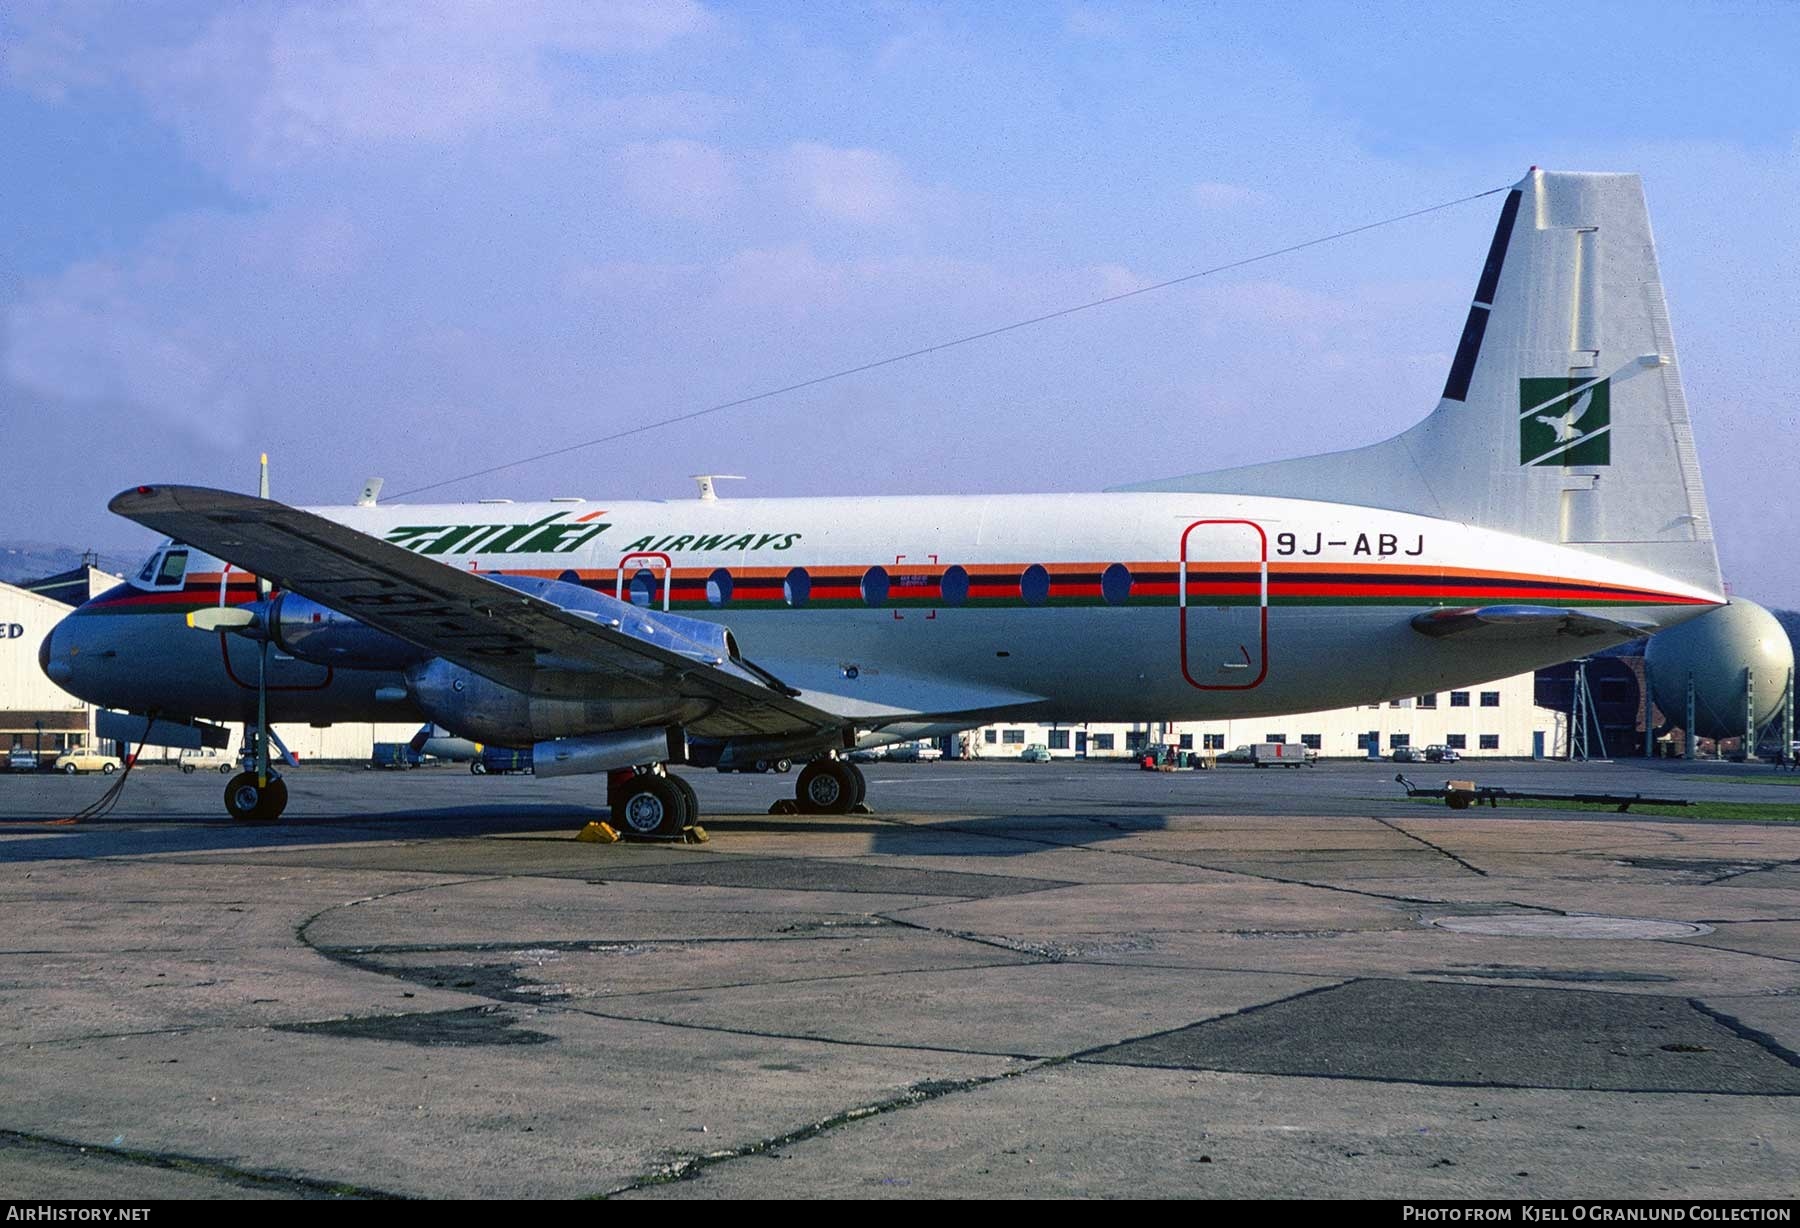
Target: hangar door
x=1224, y=600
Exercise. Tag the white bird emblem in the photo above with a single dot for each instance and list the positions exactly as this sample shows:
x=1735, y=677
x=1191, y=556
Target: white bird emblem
x=1564, y=424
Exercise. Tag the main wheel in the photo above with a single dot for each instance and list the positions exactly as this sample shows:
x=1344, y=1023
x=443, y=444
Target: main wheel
x=690, y=797
x=862, y=784
x=249, y=802
x=650, y=805
x=826, y=786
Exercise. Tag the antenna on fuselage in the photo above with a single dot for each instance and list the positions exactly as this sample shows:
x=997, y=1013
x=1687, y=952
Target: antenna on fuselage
x=708, y=493
x=371, y=491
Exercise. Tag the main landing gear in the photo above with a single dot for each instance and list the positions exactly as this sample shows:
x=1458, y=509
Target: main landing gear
x=829, y=786
x=650, y=802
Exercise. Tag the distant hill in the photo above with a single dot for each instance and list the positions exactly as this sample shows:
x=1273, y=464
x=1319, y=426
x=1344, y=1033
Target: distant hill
x=35, y=560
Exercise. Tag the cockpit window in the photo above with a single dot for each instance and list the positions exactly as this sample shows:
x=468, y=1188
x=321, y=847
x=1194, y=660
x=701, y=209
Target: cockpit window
x=148, y=575
x=174, y=566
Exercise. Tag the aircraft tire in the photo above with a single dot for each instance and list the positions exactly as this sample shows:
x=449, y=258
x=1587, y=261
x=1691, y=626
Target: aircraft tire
x=688, y=796
x=826, y=786
x=248, y=802
x=862, y=784
x=650, y=805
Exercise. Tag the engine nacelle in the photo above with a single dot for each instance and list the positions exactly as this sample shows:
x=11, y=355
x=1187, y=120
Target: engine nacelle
x=482, y=709
x=303, y=628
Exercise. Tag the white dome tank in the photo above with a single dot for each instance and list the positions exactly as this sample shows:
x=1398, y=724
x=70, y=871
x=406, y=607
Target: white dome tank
x=1716, y=648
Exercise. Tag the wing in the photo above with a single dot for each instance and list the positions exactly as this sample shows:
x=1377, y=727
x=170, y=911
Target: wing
x=1516, y=622
x=516, y=639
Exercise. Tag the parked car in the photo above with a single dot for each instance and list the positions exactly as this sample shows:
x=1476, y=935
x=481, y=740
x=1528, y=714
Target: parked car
x=1238, y=754
x=1442, y=754
x=1407, y=754
x=914, y=752
x=206, y=761
x=21, y=760
x=85, y=761
x=1037, y=752
x=862, y=754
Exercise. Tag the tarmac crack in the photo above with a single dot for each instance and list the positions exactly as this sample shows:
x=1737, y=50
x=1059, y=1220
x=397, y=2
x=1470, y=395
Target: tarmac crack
x=919, y=1093
x=243, y=1178
x=1436, y=848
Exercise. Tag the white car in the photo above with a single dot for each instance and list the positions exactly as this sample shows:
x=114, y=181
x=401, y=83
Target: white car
x=207, y=761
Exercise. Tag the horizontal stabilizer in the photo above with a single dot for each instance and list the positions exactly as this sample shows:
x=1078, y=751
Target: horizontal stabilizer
x=1517, y=622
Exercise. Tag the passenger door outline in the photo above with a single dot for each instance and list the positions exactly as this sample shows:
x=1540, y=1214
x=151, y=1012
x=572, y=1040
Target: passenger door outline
x=1261, y=562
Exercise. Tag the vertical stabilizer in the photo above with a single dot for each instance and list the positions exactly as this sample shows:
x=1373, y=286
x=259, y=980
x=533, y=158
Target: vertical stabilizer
x=1562, y=417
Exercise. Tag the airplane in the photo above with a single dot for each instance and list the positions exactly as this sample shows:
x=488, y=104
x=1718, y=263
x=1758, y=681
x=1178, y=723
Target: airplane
x=619, y=637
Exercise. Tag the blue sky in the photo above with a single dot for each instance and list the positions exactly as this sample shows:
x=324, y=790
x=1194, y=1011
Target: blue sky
x=411, y=240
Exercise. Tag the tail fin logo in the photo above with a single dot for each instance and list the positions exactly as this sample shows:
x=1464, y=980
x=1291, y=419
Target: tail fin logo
x=1565, y=421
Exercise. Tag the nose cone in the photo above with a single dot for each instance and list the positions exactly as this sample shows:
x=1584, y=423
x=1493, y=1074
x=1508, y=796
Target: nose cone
x=55, y=664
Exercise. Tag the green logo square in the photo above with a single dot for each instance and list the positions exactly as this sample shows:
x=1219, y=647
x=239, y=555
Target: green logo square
x=1565, y=421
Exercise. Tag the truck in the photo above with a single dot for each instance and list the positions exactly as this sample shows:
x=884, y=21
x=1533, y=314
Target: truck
x=1279, y=754
x=394, y=755
x=499, y=761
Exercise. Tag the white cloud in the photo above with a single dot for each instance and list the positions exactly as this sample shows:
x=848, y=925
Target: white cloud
x=680, y=178
x=265, y=88
x=862, y=186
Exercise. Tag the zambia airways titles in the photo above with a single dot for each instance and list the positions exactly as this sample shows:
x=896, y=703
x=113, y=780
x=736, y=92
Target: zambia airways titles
x=555, y=534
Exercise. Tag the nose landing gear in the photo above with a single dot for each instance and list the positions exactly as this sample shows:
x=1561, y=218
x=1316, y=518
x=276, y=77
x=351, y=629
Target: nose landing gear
x=250, y=801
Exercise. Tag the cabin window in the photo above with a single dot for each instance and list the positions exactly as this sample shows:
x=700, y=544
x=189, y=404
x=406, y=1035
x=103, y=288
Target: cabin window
x=1115, y=584
x=718, y=588
x=954, y=587
x=875, y=586
x=1034, y=585
x=797, y=588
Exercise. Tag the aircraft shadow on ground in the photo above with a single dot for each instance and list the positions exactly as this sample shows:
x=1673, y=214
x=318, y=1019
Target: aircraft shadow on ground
x=127, y=835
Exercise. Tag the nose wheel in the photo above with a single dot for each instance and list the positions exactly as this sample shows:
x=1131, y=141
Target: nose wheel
x=248, y=801
x=829, y=786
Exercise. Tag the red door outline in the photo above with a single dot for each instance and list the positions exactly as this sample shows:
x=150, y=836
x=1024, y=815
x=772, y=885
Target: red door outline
x=1262, y=612
x=668, y=574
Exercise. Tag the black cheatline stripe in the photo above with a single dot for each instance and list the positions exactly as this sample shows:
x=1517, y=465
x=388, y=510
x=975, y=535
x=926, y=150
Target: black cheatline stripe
x=1490, y=272
x=1456, y=388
